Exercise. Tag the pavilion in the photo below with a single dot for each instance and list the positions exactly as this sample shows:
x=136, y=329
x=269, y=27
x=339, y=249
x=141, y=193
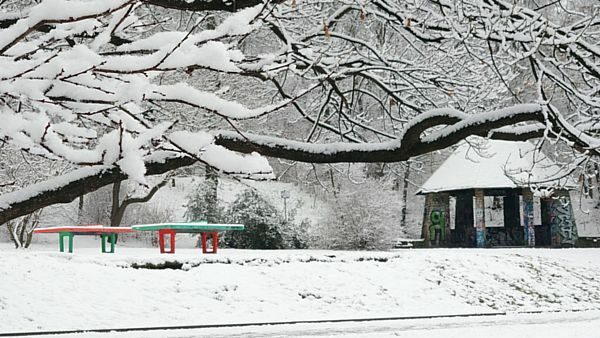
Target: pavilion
x=498, y=193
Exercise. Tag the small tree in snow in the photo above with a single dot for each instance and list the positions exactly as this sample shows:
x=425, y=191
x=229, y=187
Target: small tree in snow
x=202, y=206
x=261, y=221
x=360, y=219
x=147, y=213
x=21, y=229
x=296, y=234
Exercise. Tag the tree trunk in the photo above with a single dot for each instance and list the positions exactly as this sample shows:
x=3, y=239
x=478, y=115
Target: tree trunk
x=211, y=194
x=116, y=215
x=597, y=175
x=404, y=210
x=21, y=230
x=80, y=210
x=11, y=231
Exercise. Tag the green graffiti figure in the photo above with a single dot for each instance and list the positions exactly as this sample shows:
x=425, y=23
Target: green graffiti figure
x=438, y=225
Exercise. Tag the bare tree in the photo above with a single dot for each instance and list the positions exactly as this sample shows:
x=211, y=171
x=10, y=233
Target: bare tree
x=21, y=229
x=120, y=205
x=109, y=87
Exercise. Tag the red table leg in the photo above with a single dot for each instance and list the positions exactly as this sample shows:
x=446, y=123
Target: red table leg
x=215, y=242
x=161, y=240
x=203, y=234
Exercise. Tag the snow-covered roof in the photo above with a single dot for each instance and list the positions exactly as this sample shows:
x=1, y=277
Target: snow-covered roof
x=497, y=164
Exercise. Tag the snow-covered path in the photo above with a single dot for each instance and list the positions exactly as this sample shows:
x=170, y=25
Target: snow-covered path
x=41, y=289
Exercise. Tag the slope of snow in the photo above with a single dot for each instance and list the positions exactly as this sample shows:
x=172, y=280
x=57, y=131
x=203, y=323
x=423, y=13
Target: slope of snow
x=44, y=289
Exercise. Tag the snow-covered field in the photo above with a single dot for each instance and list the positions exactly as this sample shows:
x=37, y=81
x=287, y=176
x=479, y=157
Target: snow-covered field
x=42, y=289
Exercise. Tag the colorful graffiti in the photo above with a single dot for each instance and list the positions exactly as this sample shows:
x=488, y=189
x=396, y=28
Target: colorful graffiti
x=480, y=237
x=479, y=218
x=438, y=225
x=528, y=225
x=562, y=223
x=503, y=236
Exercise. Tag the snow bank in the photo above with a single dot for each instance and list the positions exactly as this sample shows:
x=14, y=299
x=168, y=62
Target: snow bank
x=49, y=290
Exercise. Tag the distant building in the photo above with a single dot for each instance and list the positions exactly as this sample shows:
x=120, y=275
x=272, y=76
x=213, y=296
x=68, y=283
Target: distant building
x=496, y=194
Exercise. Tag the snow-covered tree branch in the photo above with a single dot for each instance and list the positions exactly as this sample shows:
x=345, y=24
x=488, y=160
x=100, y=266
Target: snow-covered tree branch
x=121, y=89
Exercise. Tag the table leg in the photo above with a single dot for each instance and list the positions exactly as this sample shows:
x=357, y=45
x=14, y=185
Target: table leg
x=113, y=240
x=214, y=242
x=203, y=235
x=61, y=245
x=105, y=239
x=161, y=240
x=215, y=237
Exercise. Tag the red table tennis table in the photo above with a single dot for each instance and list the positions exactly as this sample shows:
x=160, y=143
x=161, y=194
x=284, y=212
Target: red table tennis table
x=107, y=234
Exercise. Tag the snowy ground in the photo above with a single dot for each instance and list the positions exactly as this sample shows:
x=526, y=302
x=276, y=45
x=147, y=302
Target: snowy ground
x=41, y=289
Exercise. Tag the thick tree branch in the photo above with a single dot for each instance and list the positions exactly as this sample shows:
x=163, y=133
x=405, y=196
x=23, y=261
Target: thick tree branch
x=146, y=198
x=498, y=124
x=411, y=143
x=62, y=190
x=213, y=5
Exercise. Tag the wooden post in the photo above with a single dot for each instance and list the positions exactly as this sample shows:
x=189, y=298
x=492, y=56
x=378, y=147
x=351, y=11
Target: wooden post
x=528, y=226
x=480, y=218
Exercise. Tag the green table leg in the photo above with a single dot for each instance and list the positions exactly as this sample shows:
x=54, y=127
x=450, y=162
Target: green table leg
x=105, y=239
x=61, y=236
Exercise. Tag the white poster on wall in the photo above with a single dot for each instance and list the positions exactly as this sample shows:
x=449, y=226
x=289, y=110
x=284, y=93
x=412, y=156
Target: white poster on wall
x=494, y=211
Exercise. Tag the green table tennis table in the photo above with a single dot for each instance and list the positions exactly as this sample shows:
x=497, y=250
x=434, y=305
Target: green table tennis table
x=171, y=229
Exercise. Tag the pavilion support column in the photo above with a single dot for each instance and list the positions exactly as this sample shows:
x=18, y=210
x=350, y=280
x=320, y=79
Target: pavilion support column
x=463, y=225
x=479, y=218
x=435, y=219
x=528, y=226
x=559, y=215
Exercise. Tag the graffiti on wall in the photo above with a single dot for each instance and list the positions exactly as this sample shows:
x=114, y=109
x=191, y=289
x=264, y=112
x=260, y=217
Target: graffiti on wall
x=435, y=218
x=480, y=237
x=479, y=219
x=562, y=222
x=503, y=236
x=438, y=226
x=528, y=225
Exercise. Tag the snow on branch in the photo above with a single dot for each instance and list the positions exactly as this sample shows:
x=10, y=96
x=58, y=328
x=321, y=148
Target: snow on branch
x=69, y=95
x=56, y=11
x=67, y=187
x=120, y=88
x=213, y=5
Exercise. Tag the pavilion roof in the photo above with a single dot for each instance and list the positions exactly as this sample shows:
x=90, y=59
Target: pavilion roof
x=497, y=164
